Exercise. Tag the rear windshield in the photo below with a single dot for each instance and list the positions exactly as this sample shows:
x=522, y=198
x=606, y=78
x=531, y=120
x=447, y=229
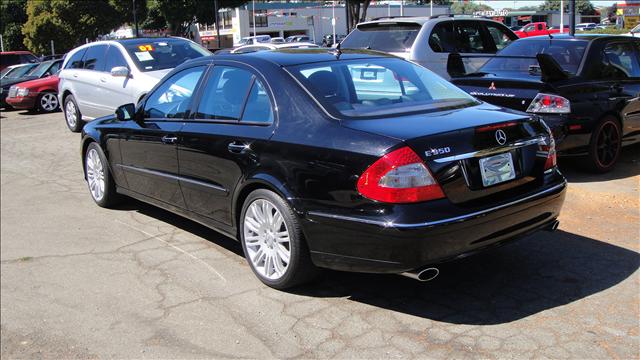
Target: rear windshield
x=389, y=37
x=378, y=87
x=150, y=55
x=567, y=53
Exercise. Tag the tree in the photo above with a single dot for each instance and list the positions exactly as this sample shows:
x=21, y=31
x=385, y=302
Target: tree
x=175, y=14
x=357, y=12
x=584, y=7
x=12, y=15
x=125, y=9
x=468, y=8
x=67, y=22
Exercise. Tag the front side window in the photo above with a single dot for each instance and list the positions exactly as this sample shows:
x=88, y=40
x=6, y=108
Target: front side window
x=619, y=61
x=500, y=36
x=115, y=58
x=173, y=98
x=152, y=55
x=94, y=57
x=378, y=87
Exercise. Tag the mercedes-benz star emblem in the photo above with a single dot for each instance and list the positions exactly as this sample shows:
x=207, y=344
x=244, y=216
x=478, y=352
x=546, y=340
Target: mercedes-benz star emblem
x=501, y=137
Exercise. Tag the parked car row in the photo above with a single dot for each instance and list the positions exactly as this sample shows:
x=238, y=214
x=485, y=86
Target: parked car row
x=31, y=86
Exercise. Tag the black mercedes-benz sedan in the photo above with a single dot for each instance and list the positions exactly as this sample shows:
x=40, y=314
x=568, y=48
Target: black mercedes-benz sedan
x=350, y=160
x=578, y=84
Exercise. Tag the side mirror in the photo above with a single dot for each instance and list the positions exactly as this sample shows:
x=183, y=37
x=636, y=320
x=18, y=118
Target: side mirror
x=125, y=112
x=120, y=71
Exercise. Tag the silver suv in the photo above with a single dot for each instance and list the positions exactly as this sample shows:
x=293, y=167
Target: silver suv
x=97, y=78
x=428, y=41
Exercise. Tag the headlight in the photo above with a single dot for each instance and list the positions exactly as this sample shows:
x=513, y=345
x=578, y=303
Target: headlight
x=22, y=92
x=549, y=104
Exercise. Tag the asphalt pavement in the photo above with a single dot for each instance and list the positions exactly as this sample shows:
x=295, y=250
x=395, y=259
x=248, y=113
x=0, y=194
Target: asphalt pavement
x=80, y=281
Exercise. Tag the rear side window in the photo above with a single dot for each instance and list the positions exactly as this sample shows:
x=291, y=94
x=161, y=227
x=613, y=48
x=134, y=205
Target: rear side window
x=28, y=58
x=114, y=58
x=75, y=62
x=173, y=98
x=234, y=94
x=94, y=57
x=10, y=59
x=442, y=38
x=469, y=37
x=386, y=36
x=619, y=61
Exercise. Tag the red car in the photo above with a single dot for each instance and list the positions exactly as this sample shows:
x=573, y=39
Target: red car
x=8, y=58
x=38, y=94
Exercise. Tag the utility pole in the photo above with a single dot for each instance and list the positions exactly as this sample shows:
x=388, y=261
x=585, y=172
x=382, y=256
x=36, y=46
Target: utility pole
x=217, y=17
x=135, y=18
x=572, y=17
x=347, y=15
x=431, y=8
x=253, y=7
x=561, y=16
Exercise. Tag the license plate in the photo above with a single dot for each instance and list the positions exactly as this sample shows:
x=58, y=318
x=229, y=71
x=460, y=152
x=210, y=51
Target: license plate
x=496, y=169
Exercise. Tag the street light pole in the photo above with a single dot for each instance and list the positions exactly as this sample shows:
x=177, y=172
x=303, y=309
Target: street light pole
x=217, y=17
x=561, y=16
x=135, y=18
x=572, y=17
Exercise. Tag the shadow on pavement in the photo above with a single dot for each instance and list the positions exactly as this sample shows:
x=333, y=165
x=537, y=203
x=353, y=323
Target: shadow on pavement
x=628, y=166
x=536, y=273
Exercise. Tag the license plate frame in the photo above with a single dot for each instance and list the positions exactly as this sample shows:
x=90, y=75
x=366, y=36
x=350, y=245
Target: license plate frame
x=497, y=169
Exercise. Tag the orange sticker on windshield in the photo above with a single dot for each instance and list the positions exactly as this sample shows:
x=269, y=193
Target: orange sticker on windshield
x=145, y=48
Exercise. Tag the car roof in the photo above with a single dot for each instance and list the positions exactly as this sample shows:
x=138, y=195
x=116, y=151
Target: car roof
x=289, y=57
x=17, y=52
x=588, y=37
x=424, y=19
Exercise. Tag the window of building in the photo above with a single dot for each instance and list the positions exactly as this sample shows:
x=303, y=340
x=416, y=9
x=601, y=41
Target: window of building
x=261, y=18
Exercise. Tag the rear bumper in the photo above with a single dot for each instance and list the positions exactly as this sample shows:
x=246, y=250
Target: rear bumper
x=25, y=102
x=376, y=245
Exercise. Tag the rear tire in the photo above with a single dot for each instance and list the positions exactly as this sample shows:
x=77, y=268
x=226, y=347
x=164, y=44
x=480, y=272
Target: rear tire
x=605, y=145
x=273, y=243
x=72, y=114
x=47, y=102
x=102, y=187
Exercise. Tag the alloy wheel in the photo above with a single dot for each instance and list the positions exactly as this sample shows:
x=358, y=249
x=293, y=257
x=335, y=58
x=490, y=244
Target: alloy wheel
x=267, y=239
x=70, y=114
x=608, y=144
x=95, y=174
x=49, y=102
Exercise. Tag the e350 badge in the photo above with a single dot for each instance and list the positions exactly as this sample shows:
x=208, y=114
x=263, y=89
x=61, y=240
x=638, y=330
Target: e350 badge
x=437, y=151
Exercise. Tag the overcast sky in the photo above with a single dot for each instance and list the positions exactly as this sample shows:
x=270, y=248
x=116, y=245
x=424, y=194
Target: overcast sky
x=499, y=4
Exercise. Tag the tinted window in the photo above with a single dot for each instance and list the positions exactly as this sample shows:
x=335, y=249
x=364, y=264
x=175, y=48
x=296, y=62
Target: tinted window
x=94, y=57
x=28, y=58
x=10, y=59
x=500, y=35
x=114, y=58
x=469, y=37
x=619, y=61
x=258, y=108
x=442, y=38
x=224, y=94
x=75, y=62
x=386, y=36
x=173, y=97
x=568, y=54
x=163, y=54
x=380, y=87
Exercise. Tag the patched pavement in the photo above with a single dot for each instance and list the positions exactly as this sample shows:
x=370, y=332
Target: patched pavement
x=79, y=281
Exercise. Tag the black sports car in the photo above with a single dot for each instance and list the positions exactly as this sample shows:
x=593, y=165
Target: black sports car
x=351, y=160
x=578, y=85
x=43, y=69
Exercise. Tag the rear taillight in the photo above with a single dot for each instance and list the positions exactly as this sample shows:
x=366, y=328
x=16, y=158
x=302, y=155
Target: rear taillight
x=549, y=104
x=548, y=149
x=399, y=177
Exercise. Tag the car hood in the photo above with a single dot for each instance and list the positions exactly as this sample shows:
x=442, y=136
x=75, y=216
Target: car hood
x=8, y=82
x=49, y=80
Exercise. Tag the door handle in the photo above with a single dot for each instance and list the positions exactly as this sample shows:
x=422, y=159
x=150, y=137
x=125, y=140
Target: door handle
x=169, y=139
x=75, y=75
x=103, y=79
x=237, y=147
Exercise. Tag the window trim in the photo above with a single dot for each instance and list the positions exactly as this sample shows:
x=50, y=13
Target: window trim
x=193, y=97
x=257, y=75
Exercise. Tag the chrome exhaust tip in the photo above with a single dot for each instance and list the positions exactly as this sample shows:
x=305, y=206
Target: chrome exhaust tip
x=553, y=226
x=423, y=275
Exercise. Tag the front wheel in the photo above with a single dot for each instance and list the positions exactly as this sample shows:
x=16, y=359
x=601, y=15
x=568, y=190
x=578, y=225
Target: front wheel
x=101, y=185
x=272, y=241
x=47, y=102
x=605, y=145
x=72, y=114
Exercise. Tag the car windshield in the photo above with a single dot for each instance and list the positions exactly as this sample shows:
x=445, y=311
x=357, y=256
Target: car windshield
x=378, y=87
x=20, y=71
x=388, y=37
x=160, y=54
x=568, y=54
